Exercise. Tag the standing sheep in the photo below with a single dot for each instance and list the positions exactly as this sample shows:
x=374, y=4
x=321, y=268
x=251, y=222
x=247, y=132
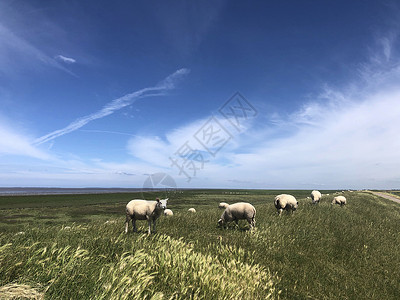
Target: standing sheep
x=287, y=202
x=168, y=212
x=192, y=210
x=341, y=200
x=223, y=205
x=144, y=210
x=238, y=211
x=315, y=197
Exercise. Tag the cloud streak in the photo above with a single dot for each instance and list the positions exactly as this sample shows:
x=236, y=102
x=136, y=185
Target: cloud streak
x=65, y=59
x=160, y=89
x=13, y=44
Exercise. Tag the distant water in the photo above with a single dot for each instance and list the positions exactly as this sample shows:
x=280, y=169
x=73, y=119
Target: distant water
x=63, y=191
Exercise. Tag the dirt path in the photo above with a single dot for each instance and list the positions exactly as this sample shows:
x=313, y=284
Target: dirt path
x=386, y=196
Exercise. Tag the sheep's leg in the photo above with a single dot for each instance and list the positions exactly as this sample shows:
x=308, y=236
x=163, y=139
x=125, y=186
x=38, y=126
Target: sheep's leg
x=249, y=221
x=154, y=225
x=149, y=232
x=128, y=218
x=280, y=211
x=134, y=225
x=252, y=223
x=237, y=223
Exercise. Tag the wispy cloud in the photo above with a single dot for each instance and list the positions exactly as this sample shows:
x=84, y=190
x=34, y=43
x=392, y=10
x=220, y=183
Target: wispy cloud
x=14, y=48
x=160, y=89
x=12, y=143
x=345, y=137
x=65, y=59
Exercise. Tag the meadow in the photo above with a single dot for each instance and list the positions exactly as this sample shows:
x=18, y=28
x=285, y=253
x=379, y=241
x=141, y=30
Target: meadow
x=73, y=247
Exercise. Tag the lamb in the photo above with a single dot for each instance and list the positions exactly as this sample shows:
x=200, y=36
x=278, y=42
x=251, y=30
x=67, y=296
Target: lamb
x=144, y=210
x=192, y=210
x=287, y=202
x=315, y=196
x=341, y=200
x=238, y=211
x=168, y=212
x=223, y=205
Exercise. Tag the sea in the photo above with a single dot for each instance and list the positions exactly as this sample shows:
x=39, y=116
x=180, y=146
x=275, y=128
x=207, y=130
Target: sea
x=18, y=191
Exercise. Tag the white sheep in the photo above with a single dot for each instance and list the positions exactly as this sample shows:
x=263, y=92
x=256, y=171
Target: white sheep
x=223, y=205
x=285, y=201
x=238, y=211
x=144, y=210
x=192, y=210
x=341, y=200
x=315, y=197
x=168, y=212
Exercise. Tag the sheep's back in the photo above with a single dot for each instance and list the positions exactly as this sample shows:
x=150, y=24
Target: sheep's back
x=242, y=210
x=140, y=207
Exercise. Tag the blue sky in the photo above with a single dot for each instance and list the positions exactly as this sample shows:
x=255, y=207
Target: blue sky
x=102, y=94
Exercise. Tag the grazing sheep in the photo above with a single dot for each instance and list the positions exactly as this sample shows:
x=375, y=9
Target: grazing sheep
x=223, y=205
x=287, y=202
x=341, y=200
x=238, y=211
x=315, y=197
x=168, y=212
x=144, y=210
x=192, y=210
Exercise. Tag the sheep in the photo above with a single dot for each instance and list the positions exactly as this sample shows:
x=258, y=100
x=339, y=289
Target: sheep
x=315, y=196
x=287, y=202
x=192, y=210
x=223, y=205
x=341, y=200
x=168, y=212
x=144, y=210
x=238, y=211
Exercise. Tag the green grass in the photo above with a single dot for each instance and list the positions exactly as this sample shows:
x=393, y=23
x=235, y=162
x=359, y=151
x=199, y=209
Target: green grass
x=396, y=193
x=66, y=248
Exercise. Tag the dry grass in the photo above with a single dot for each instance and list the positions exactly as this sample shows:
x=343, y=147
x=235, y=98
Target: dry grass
x=20, y=291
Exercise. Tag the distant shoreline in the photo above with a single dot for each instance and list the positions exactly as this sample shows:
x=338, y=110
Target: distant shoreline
x=32, y=191
x=21, y=191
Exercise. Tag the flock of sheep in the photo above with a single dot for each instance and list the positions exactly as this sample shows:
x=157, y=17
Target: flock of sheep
x=152, y=210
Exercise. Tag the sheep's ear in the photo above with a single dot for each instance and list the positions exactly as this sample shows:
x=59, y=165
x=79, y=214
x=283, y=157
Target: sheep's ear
x=166, y=199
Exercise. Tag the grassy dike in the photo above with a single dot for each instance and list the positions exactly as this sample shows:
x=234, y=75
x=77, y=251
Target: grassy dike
x=81, y=252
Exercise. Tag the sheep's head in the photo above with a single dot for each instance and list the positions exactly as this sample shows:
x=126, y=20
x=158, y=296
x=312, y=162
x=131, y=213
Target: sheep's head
x=220, y=222
x=161, y=204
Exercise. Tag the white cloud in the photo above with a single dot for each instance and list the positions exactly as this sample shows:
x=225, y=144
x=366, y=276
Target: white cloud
x=12, y=143
x=352, y=146
x=65, y=59
x=160, y=89
x=347, y=137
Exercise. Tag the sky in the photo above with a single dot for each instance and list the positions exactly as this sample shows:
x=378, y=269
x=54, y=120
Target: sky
x=207, y=94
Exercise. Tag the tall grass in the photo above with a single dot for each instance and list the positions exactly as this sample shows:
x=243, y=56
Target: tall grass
x=100, y=262
x=319, y=252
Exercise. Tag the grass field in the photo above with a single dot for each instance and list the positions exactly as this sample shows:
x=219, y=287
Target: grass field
x=396, y=193
x=73, y=247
